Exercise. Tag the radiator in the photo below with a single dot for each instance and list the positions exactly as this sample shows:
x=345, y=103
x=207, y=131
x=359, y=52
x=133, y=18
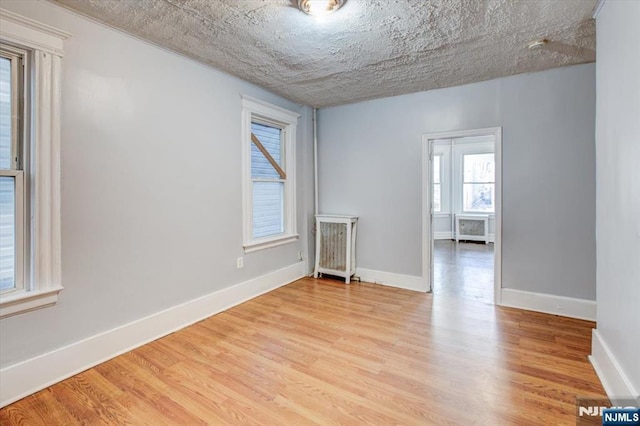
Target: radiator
x=335, y=246
x=472, y=227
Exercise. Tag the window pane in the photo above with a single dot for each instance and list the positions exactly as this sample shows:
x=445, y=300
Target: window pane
x=270, y=138
x=437, y=203
x=5, y=113
x=268, y=207
x=7, y=232
x=479, y=168
x=436, y=168
x=478, y=197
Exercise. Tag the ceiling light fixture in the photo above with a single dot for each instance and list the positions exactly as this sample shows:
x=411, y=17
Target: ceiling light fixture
x=537, y=44
x=319, y=7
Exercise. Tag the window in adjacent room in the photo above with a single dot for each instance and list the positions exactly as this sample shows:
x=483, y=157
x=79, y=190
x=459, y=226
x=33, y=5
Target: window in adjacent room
x=269, y=206
x=437, y=183
x=478, y=188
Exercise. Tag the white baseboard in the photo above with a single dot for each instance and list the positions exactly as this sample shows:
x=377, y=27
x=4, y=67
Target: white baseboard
x=27, y=377
x=446, y=235
x=550, y=304
x=442, y=235
x=408, y=282
x=613, y=378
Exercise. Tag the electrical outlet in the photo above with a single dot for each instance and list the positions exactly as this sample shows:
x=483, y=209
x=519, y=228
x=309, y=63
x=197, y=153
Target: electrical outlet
x=300, y=255
x=239, y=262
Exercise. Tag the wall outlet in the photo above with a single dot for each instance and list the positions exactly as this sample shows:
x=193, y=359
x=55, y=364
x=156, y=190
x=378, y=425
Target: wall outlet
x=300, y=255
x=239, y=262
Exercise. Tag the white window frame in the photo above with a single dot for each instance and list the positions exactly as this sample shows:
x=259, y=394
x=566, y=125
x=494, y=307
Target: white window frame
x=260, y=111
x=18, y=58
x=42, y=280
x=443, y=150
x=461, y=149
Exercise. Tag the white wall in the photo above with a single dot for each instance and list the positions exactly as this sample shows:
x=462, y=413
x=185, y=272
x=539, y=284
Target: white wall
x=151, y=185
x=370, y=165
x=616, y=351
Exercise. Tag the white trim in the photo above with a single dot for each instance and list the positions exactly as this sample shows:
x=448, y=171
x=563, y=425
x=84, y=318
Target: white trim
x=268, y=110
x=427, y=240
x=550, y=304
x=271, y=242
x=24, y=301
x=32, y=34
x=598, y=8
x=613, y=378
x=44, y=141
x=408, y=282
x=448, y=235
x=24, y=378
x=443, y=235
x=287, y=120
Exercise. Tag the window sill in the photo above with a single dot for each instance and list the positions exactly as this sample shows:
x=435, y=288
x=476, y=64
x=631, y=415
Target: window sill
x=269, y=243
x=16, y=303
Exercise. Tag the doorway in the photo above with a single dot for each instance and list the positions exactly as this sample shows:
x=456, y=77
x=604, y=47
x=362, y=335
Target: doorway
x=461, y=206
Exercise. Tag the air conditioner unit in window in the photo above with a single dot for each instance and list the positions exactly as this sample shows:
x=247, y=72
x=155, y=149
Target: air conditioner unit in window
x=336, y=246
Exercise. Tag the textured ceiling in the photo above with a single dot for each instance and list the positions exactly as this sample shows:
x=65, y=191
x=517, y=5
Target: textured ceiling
x=368, y=49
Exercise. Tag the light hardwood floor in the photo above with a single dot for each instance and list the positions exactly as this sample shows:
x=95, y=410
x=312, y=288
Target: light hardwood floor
x=319, y=351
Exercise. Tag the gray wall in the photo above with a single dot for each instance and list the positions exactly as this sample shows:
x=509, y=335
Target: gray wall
x=151, y=185
x=370, y=165
x=618, y=181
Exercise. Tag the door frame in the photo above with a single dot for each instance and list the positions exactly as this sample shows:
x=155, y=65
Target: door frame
x=427, y=214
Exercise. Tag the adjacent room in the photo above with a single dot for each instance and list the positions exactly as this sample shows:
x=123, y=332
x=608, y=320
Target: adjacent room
x=319, y=211
x=463, y=217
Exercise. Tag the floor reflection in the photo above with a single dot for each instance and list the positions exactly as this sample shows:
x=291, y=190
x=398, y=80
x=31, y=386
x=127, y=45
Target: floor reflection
x=463, y=269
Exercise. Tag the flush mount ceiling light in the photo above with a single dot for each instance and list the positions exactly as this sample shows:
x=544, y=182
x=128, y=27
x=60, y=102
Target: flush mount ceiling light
x=319, y=7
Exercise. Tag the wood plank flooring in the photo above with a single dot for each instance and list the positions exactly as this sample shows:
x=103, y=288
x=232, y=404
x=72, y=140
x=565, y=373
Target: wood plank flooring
x=463, y=269
x=321, y=352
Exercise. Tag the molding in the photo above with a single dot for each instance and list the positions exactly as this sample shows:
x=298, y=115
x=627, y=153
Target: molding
x=287, y=121
x=44, y=145
x=598, y=8
x=427, y=240
x=30, y=33
x=26, y=377
x=25, y=301
x=269, y=243
x=613, y=378
x=549, y=304
x=408, y=282
x=445, y=235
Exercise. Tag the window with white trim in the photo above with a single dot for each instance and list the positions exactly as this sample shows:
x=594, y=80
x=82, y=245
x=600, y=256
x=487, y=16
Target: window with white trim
x=30, y=64
x=12, y=188
x=269, y=206
x=478, y=183
x=437, y=183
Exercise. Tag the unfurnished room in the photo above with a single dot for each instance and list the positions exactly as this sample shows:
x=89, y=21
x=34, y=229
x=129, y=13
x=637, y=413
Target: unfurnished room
x=291, y=212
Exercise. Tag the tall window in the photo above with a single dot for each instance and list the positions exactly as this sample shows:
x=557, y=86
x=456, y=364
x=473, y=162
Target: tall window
x=478, y=187
x=268, y=179
x=269, y=206
x=11, y=173
x=437, y=183
x=30, y=63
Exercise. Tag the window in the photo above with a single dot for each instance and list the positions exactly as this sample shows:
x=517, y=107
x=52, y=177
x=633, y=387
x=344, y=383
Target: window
x=12, y=186
x=437, y=183
x=478, y=187
x=269, y=207
x=30, y=63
